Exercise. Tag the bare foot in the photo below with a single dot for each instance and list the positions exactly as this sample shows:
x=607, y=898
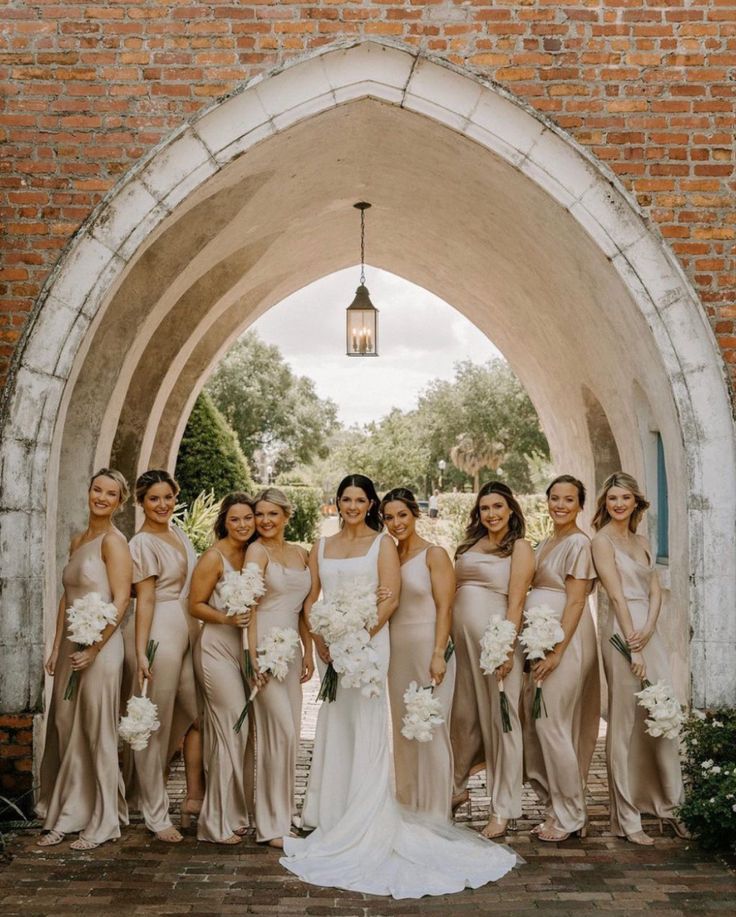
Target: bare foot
x=640, y=838
x=277, y=842
x=169, y=836
x=232, y=840
x=496, y=827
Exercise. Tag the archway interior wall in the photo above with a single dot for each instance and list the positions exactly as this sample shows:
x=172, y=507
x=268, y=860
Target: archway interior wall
x=638, y=290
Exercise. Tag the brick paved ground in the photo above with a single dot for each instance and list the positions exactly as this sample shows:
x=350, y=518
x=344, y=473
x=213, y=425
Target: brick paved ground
x=139, y=875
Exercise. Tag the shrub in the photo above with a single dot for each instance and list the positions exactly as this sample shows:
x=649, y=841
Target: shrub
x=538, y=523
x=306, y=517
x=197, y=519
x=210, y=458
x=454, y=510
x=709, y=810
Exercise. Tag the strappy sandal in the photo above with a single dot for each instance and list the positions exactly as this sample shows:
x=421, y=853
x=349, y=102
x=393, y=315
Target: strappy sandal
x=495, y=829
x=50, y=839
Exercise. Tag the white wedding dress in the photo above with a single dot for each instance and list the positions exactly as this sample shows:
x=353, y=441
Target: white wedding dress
x=364, y=840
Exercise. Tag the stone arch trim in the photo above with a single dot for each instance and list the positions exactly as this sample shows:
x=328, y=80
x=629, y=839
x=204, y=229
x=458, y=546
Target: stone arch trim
x=79, y=288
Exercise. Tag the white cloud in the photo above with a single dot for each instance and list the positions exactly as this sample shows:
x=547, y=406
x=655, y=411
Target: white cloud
x=420, y=338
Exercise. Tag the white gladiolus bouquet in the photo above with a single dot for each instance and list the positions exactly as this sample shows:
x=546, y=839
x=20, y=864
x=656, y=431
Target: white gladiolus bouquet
x=423, y=713
x=343, y=622
x=86, y=619
x=542, y=632
x=141, y=720
x=495, y=645
x=665, y=713
x=275, y=652
x=240, y=590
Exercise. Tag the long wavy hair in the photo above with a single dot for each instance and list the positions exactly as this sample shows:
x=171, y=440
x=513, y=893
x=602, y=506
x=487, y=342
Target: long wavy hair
x=626, y=482
x=476, y=530
x=373, y=517
x=232, y=499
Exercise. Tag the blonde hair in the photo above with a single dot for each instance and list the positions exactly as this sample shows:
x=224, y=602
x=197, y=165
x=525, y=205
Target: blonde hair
x=627, y=482
x=277, y=497
x=116, y=476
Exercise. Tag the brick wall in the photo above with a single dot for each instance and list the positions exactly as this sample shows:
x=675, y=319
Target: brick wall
x=16, y=761
x=647, y=85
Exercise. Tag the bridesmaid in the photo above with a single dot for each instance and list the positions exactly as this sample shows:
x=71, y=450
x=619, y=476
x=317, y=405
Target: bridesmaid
x=643, y=772
x=218, y=664
x=277, y=707
x=81, y=785
x=419, y=630
x=558, y=747
x=494, y=566
x=163, y=561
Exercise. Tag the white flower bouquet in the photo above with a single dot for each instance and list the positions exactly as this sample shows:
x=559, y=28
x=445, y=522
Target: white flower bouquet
x=87, y=618
x=495, y=645
x=665, y=713
x=541, y=633
x=240, y=590
x=344, y=622
x=275, y=653
x=141, y=719
x=423, y=713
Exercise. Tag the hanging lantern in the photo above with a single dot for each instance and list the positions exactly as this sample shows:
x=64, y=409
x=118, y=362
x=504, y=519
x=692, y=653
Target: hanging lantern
x=361, y=326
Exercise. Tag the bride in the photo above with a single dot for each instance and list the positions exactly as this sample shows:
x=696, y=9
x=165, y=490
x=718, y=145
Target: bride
x=363, y=839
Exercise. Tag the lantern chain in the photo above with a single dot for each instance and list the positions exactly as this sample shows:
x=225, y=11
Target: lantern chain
x=362, y=246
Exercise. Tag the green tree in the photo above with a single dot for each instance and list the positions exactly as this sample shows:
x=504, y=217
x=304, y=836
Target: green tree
x=269, y=407
x=210, y=457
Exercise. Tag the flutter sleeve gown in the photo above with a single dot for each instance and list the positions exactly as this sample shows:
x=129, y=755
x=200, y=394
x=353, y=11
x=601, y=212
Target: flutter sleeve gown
x=172, y=687
x=558, y=747
x=478, y=739
x=644, y=773
x=423, y=770
x=364, y=840
x=81, y=784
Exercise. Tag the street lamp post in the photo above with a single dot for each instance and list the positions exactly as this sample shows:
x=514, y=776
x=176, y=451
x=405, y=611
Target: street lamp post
x=442, y=464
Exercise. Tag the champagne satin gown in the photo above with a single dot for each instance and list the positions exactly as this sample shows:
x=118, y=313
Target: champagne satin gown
x=364, y=841
x=558, y=748
x=172, y=687
x=218, y=665
x=644, y=772
x=277, y=708
x=422, y=770
x=81, y=783
x=478, y=739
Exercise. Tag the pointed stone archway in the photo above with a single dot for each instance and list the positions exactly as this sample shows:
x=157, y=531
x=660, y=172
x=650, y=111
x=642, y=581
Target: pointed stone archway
x=476, y=197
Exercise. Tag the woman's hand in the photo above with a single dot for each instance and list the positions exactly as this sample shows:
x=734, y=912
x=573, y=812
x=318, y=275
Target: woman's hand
x=543, y=668
x=144, y=672
x=82, y=659
x=239, y=619
x=437, y=667
x=322, y=649
x=261, y=677
x=383, y=593
x=503, y=670
x=307, y=669
x=638, y=666
x=638, y=639
x=51, y=661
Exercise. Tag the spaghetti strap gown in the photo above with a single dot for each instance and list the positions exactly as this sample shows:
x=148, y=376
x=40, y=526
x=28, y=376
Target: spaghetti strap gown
x=277, y=708
x=558, y=747
x=478, y=739
x=218, y=665
x=423, y=770
x=81, y=783
x=644, y=772
x=364, y=840
x=172, y=687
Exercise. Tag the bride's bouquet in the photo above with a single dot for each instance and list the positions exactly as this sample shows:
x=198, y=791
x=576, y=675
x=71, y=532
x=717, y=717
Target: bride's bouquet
x=542, y=632
x=343, y=622
x=240, y=590
x=665, y=713
x=141, y=720
x=275, y=653
x=87, y=618
x=495, y=645
x=423, y=713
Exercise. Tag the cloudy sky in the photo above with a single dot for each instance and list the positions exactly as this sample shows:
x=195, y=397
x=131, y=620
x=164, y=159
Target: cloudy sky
x=420, y=338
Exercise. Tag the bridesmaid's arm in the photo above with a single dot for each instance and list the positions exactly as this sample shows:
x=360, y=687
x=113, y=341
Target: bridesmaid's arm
x=145, y=603
x=119, y=567
x=520, y=579
x=58, y=636
x=639, y=639
x=442, y=577
x=307, y=650
x=204, y=579
x=577, y=594
x=256, y=554
x=389, y=577
x=313, y=564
